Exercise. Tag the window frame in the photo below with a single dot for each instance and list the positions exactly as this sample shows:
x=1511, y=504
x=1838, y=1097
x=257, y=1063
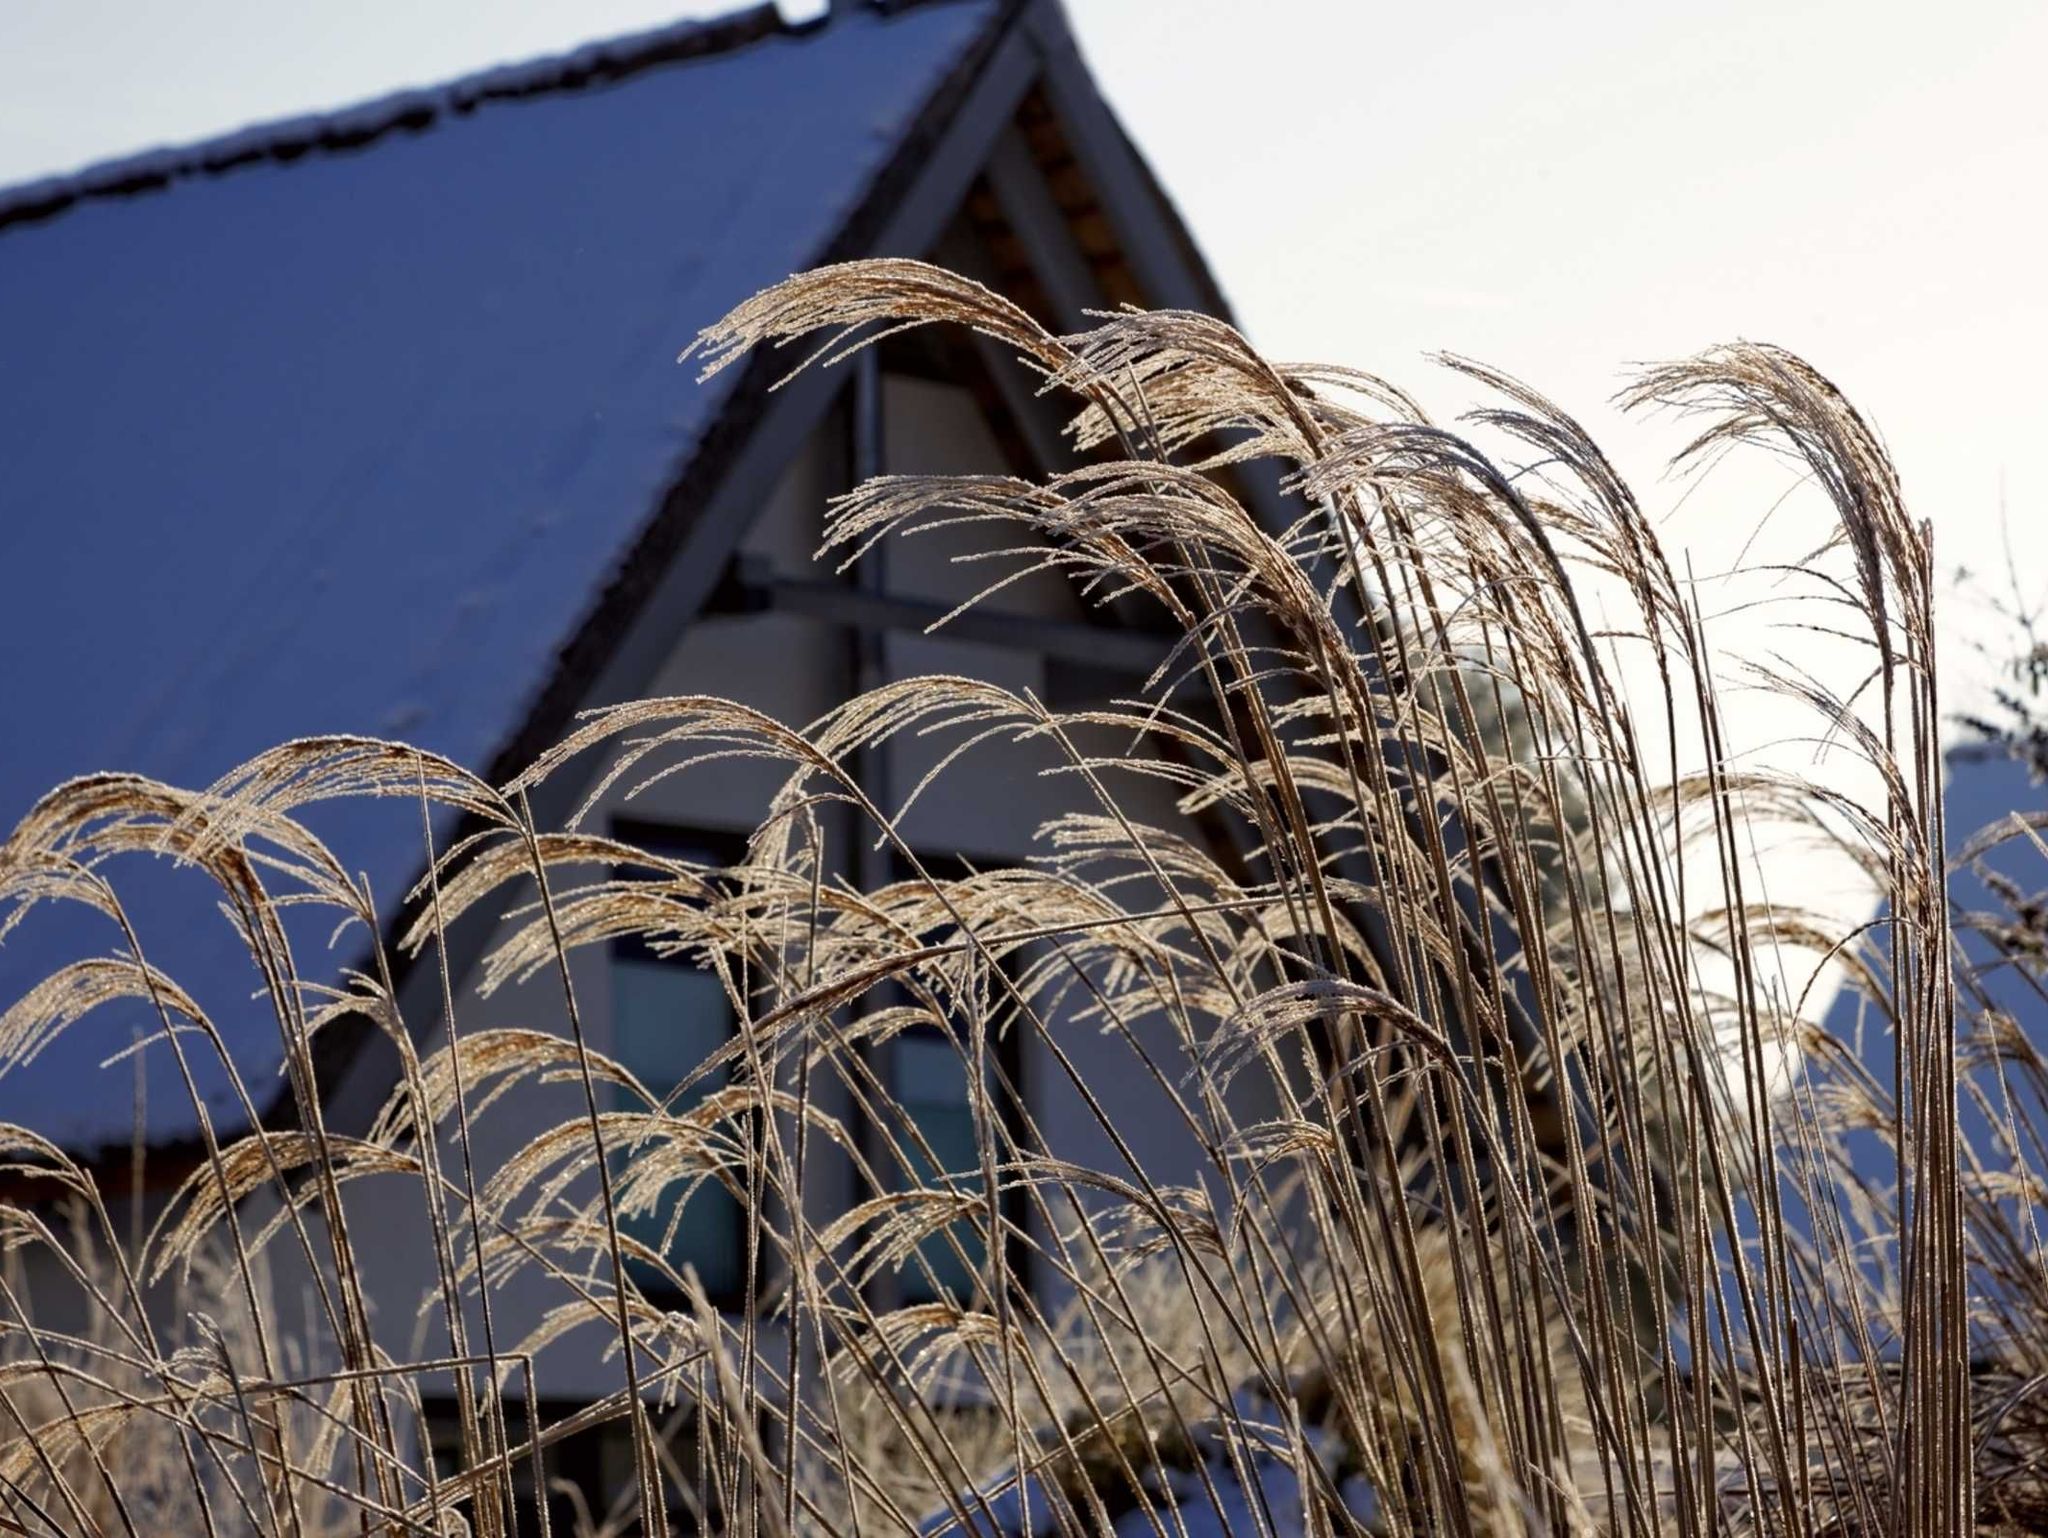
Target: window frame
x=725, y=847
x=887, y=1290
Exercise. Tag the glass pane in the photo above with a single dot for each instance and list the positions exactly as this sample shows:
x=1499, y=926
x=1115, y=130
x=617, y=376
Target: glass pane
x=667, y=1017
x=931, y=1084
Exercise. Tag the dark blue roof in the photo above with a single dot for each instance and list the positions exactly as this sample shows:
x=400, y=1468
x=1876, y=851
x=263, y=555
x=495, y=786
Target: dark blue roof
x=344, y=426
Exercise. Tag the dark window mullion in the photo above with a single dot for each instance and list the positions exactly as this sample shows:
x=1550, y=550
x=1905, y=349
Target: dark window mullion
x=926, y=1069
x=668, y=1015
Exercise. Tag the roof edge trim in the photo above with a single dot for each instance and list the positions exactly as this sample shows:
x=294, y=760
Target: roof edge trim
x=409, y=111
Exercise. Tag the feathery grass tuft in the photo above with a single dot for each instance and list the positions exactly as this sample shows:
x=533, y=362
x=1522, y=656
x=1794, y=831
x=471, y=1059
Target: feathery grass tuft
x=1516, y=1200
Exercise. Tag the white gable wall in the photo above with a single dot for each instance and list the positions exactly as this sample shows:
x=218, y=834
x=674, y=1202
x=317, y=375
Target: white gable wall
x=988, y=806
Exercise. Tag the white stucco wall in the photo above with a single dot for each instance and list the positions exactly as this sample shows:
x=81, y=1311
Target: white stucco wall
x=988, y=806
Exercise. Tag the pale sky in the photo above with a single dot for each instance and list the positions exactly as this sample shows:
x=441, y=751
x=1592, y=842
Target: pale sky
x=1558, y=189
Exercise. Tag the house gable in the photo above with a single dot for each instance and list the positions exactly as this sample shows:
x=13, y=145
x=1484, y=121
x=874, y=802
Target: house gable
x=974, y=140
x=362, y=440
